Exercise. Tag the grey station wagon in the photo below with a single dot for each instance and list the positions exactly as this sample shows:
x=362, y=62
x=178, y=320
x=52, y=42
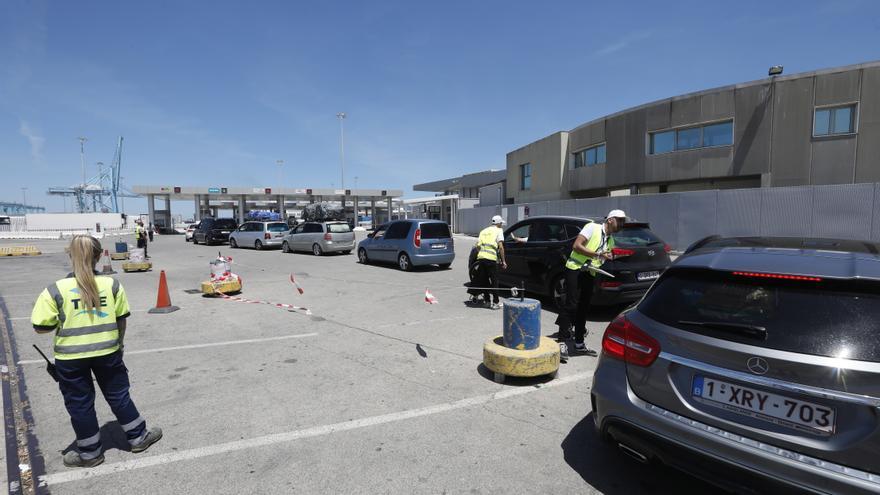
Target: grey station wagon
x=752, y=362
x=320, y=238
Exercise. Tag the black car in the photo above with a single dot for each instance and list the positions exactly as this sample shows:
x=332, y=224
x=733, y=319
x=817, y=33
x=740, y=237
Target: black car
x=214, y=230
x=537, y=259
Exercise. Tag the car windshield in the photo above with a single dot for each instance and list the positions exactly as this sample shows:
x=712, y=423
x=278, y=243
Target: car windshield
x=277, y=227
x=435, y=231
x=338, y=228
x=826, y=318
x=635, y=236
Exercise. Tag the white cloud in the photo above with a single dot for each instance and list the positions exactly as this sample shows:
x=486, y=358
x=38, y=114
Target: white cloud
x=34, y=139
x=623, y=43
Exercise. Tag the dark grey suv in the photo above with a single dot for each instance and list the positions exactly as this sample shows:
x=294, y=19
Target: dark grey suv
x=752, y=362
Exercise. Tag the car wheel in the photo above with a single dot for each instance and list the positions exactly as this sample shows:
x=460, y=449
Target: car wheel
x=258, y=245
x=195, y=241
x=558, y=291
x=472, y=272
x=232, y=243
x=362, y=256
x=404, y=262
x=285, y=247
x=445, y=266
x=316, y=249
x=209, y=240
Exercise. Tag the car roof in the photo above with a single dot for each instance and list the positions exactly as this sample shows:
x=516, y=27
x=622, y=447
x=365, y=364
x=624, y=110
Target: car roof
x=826, y=258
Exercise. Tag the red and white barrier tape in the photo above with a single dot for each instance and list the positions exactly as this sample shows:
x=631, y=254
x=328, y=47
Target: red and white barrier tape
x=256, y=301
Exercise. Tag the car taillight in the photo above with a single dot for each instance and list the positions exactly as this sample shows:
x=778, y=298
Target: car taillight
x=667, y=248
x=328, y=237
x=619, y=252
x=267, y=236
x=627, y=342
x=417, y=238
x=609, y=285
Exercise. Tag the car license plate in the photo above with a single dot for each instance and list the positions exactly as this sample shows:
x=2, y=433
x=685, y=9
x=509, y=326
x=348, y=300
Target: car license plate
x=438, y=246
x=778, y=409
x=644, y=276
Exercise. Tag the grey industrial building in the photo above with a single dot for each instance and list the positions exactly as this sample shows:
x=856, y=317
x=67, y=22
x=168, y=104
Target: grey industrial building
x=814, y=128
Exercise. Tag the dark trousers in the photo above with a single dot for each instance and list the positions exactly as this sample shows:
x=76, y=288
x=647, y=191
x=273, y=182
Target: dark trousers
x=75, y=381
x=486, y=276
x=578, y=293
x=142, y=243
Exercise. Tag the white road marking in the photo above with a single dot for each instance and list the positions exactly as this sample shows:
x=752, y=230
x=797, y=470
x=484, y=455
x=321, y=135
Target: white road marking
x=266, y=440
x=198, y=346
x=411, y=323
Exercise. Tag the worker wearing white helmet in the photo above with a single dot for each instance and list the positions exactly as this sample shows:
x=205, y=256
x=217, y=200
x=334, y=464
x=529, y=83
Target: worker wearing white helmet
x=591, y=249
x=491, y=253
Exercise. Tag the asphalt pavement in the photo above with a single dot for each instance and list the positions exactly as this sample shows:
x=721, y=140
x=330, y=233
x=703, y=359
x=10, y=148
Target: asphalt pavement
x=375, y=391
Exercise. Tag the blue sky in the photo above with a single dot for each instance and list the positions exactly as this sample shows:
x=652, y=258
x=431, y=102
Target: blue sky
x=213, y=93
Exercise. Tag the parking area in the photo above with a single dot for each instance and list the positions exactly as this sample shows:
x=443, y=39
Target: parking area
x=375, y=391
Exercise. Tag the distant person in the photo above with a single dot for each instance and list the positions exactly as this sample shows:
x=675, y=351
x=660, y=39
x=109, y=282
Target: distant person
x=590, y=248
x=150, y=232
x=140, y=235
x=88, y=314
x=491, y=249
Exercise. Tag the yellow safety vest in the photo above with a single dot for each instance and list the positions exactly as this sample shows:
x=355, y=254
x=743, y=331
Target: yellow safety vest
x=77, y=334
x=488, y=244
x=138, y=232
x=577, y=260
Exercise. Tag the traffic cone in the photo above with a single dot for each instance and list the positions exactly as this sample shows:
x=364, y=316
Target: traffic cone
x=163, y=300
x=108, y=265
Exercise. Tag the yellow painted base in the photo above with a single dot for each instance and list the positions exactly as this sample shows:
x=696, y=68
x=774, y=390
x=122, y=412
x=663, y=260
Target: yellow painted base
x=137, y=267
x=19, y=251
x=228, y=287
x=526, y=363
x=119, y=256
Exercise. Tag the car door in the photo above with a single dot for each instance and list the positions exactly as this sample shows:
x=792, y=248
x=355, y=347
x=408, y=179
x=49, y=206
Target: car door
x=293, y=237
x=545, y=253
x=396, y=240
x=515, y=241
x=373, y=247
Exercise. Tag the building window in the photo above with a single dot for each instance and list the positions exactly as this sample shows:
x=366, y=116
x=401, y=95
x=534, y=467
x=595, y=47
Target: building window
x=689, y=138
x=525, y=173
x=830, y=121
x=590, y=156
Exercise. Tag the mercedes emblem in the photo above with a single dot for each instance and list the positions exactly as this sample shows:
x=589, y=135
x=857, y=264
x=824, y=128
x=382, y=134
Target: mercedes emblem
x=757, y=365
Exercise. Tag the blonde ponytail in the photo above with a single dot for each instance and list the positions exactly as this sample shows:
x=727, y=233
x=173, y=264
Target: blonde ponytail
x=84, y=252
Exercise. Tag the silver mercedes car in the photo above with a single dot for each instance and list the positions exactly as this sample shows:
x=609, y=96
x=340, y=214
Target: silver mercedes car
x=753, y=363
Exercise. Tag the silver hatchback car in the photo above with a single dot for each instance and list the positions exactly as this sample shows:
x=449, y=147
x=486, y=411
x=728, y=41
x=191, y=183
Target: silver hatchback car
x=753, y=363
x=319, y=238
x=258, y=235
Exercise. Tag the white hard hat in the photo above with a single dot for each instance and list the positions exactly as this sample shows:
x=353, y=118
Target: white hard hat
x=616, y=214
x=497, y=220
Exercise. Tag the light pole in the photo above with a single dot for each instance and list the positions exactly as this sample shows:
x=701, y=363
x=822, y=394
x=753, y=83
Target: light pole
x=82, y=157
x=280, y=164
x=355, y=181
x=24, y=196
x=341, y=117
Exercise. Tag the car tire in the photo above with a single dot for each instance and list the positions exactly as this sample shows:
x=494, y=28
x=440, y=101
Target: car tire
x=445, y=266
x=472, y=271
x=258, y=245
x=362, y=256
x=208, y=240
x=285, y=247
x=316, y=249
x=195, y=241
x=232, y=243
x=558, y=291
x=404, y=262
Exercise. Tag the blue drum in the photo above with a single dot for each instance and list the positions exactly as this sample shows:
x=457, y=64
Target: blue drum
x=121, y=247
x=522, y=324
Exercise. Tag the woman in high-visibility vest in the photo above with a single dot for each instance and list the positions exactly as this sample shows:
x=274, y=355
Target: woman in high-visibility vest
x=87, y=312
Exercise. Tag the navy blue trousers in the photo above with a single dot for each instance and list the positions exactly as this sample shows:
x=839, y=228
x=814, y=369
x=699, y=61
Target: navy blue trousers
x=75, y=381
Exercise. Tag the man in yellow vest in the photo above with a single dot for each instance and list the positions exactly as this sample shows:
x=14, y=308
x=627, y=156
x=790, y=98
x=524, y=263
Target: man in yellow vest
x=491, y=249
x=140, y=235
x=591, y=249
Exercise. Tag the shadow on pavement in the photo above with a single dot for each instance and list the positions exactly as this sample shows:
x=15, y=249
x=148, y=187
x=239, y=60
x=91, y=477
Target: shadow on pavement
x=112, y=437
x=609, y=471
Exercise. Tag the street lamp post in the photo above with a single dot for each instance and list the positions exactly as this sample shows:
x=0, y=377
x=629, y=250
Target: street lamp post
x=341, y=117
x=280, y=164
x=24, y=197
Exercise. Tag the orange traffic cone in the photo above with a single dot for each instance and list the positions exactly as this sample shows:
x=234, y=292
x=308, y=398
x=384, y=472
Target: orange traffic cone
x=108, y=265
x=163, y=301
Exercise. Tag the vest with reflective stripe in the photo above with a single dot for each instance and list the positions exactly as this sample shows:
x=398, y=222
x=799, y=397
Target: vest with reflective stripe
x=138, y=232
x=79, y=335
x=488, y=244
x=576, y=260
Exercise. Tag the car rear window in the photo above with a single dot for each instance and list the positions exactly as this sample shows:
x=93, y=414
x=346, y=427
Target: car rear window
x=824, y=318
x=227, y=224
x=277, y=227
x=638, y=236
x=435, y=231
x=338, y=228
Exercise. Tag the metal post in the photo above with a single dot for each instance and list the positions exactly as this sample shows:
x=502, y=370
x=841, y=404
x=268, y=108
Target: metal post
x=151, y=208
x=197, y=214
x=242, y=200
x=373, y=212
x=341, y=117
x=389, y=209
x=280, y=200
